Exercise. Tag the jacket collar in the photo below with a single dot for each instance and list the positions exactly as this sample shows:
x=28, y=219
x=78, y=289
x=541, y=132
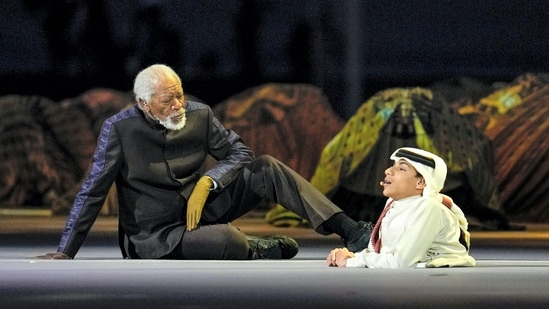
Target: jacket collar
x=152, y=122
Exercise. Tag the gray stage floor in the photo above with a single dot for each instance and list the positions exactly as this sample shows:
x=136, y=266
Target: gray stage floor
x=513, y=270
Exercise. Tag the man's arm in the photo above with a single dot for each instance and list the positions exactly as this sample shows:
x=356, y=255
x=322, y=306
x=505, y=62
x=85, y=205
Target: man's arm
x=89, y=200
x=228, y=148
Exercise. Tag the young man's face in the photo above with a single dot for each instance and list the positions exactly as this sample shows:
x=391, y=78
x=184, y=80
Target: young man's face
x=401, y=180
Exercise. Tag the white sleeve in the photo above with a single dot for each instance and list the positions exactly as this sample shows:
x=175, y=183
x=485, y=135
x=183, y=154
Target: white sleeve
x=359, y=259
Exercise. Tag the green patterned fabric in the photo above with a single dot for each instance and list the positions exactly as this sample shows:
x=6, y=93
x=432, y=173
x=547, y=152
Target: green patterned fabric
x=353, y=163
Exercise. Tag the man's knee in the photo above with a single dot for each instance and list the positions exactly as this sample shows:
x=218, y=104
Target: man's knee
x=218, y=241
x=265, y=160
x=265, y=163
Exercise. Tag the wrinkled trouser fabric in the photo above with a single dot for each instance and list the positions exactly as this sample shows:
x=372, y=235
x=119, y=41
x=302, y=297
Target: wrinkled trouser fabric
x=265, y=178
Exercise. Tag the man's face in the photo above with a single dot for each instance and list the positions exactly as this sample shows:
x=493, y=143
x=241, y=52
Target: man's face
x=401, y=181
x=167, y=104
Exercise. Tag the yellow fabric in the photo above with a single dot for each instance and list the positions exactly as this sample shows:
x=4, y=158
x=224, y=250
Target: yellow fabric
x=504, y=99
x=281, y=217
x=196, y=201
x=496, y=105
x=354, y=142
x=426, y=143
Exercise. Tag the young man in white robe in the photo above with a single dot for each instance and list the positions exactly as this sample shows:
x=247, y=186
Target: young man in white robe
x=419, y=226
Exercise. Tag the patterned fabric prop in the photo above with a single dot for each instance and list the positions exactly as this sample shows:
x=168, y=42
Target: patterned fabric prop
x=46, y=147
x=45, y=150
x=352, y=163
x=291, y=122
x=516, y=120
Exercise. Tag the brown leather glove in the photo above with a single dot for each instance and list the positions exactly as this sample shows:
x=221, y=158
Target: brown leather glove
x=196, y=201
x=54, y=256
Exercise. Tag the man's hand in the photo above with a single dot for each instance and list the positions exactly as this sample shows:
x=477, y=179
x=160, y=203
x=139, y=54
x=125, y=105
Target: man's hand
x=338, y=257
x=54, y=256
x=196, y=201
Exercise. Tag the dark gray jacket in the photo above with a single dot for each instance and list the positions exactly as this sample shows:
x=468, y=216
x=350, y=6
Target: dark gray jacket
x=155, y=170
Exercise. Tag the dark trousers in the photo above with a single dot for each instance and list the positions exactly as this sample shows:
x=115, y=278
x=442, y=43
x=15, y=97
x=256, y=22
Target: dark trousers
x=265, y=178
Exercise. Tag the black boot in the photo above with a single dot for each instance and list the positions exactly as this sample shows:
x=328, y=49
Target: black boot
x=361, y=242
x=272, y=247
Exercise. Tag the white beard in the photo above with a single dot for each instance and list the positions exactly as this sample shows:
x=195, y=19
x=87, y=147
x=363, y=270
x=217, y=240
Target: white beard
x=169, y=124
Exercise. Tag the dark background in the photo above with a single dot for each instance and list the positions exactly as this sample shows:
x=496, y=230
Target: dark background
x=349, y=48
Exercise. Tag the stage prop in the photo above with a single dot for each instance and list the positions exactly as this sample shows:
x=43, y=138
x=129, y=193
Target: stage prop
x=46, y=147
x=353, y=163
x=515, y=117
x=291, y=122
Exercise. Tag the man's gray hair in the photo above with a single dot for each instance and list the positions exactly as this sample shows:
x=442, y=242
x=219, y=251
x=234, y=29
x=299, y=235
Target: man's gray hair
x=147, y=80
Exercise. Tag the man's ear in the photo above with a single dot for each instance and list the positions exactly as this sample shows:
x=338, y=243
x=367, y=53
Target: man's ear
x=421, y=184
x=142, y=102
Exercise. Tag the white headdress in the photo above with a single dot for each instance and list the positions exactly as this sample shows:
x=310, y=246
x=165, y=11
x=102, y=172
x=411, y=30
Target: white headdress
x=429, y=165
